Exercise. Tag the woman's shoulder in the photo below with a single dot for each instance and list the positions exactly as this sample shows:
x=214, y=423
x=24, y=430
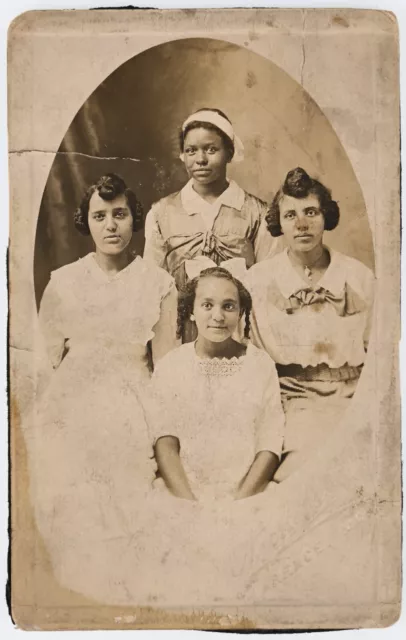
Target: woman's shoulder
x=173, y=363
x=254, y=203
x=265, y=271
x=161, y=205
x=70, y=272
x=259, y=355
x=357, y=274
x=250, y=197
x=261, y=362
x=154, y=275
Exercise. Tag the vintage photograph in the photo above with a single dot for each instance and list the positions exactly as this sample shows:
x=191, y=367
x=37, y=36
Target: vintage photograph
x=204, y=319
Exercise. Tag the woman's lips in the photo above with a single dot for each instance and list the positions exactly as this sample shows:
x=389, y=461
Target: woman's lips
x=113, y=239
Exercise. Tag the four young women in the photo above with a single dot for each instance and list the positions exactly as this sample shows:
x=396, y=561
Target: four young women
x=209, y=427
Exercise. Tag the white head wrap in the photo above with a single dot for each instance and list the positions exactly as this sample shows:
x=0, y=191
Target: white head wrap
x=214, y=118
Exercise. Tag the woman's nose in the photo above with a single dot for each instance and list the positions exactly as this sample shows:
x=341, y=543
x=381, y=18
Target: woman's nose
x=201, y=157
x=217, y=314
x=302, y=222
x=111, y=224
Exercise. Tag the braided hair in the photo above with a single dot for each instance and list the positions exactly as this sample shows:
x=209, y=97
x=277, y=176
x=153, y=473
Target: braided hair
x=187, y=295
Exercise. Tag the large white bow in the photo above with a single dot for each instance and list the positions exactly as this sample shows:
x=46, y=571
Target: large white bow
x=235, y=266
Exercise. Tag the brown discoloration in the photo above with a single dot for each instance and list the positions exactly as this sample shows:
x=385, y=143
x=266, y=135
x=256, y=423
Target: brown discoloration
x=38, y=600
x=251, y=80
x=340, y=21
x=325, y=348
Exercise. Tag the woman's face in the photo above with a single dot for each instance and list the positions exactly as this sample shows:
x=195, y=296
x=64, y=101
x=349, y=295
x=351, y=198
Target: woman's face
x=110, y=223
x=216, y=309
x=205, y=156
x=302, y=222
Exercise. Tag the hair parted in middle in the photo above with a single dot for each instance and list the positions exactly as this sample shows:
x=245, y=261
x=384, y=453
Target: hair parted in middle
x=201, y=124
x=299, y=184
x=187, y=295
x=108, y=187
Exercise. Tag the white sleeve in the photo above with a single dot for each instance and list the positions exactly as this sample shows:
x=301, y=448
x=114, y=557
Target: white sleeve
x=51, y=324
x=164, y=339
x=162, y=406
x=270, y=424
x=155, y=245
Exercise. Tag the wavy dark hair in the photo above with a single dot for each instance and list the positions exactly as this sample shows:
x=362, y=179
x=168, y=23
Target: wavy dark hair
x=187, y=295
x=199, y=124
x=108, y=187
x=299, y=184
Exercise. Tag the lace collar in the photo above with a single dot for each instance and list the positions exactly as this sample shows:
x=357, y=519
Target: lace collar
x=220, y=366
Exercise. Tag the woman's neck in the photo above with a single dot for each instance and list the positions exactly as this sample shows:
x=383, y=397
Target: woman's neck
x=229, y=348
x=318, y=256
x=212, y=191
x=113, y=263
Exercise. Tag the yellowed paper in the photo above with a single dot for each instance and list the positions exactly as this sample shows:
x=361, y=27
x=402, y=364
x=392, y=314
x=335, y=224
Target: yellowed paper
x=94, y=92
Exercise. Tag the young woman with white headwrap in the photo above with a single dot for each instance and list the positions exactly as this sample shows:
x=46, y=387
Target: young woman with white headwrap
x=212, y=219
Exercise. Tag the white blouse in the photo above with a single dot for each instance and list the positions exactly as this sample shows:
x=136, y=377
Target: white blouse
x=222, y=411
x=82, y=307
x=309, y=325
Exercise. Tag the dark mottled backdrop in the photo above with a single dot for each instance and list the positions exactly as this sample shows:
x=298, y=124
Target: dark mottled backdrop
x=130, y=125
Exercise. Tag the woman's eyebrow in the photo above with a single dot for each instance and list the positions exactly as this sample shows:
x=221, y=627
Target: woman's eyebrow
x=98, y=212
x=312, y=207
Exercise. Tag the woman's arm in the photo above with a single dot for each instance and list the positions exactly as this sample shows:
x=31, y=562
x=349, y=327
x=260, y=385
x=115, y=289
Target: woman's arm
x=265, y=245
x=50, y=323
x=164, y=339
x=155, y=246
x=171, y=468
x=259, y=475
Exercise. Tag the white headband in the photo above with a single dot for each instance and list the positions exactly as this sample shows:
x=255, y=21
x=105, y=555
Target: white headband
x=214, y=118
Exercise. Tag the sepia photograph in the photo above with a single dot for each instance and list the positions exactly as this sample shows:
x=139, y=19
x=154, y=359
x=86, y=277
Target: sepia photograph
x=204, y=290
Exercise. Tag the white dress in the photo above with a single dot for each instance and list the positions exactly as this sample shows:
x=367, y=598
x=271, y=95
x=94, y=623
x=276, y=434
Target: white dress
x=317, y=336
x=90, y=454
x=222, y=411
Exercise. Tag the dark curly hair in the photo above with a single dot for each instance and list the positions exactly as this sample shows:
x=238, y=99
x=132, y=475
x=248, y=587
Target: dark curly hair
x=199, y=124
x=187, y=296
x=299, y=184
x=108, y=187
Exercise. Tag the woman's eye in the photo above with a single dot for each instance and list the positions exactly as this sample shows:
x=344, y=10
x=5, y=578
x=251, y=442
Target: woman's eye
x=189, y=151
x=206, y=305
x=212, y=149
x=311, y=212
x=289, y=215
x=120, y=214
x=98, y=217
x=229, y=306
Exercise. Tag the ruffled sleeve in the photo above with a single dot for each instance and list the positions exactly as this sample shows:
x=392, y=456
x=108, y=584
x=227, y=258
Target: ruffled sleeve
x=164, y=330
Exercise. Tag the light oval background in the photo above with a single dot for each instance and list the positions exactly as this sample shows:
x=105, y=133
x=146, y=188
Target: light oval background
x=130, y=125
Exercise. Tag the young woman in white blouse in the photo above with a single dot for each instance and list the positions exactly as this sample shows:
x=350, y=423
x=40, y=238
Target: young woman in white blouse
x=312, y=309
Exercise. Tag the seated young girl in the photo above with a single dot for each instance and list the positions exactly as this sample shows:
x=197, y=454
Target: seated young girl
x=218, y=420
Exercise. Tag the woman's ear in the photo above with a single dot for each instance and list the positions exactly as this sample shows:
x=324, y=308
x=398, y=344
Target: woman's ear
x=192, y=318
